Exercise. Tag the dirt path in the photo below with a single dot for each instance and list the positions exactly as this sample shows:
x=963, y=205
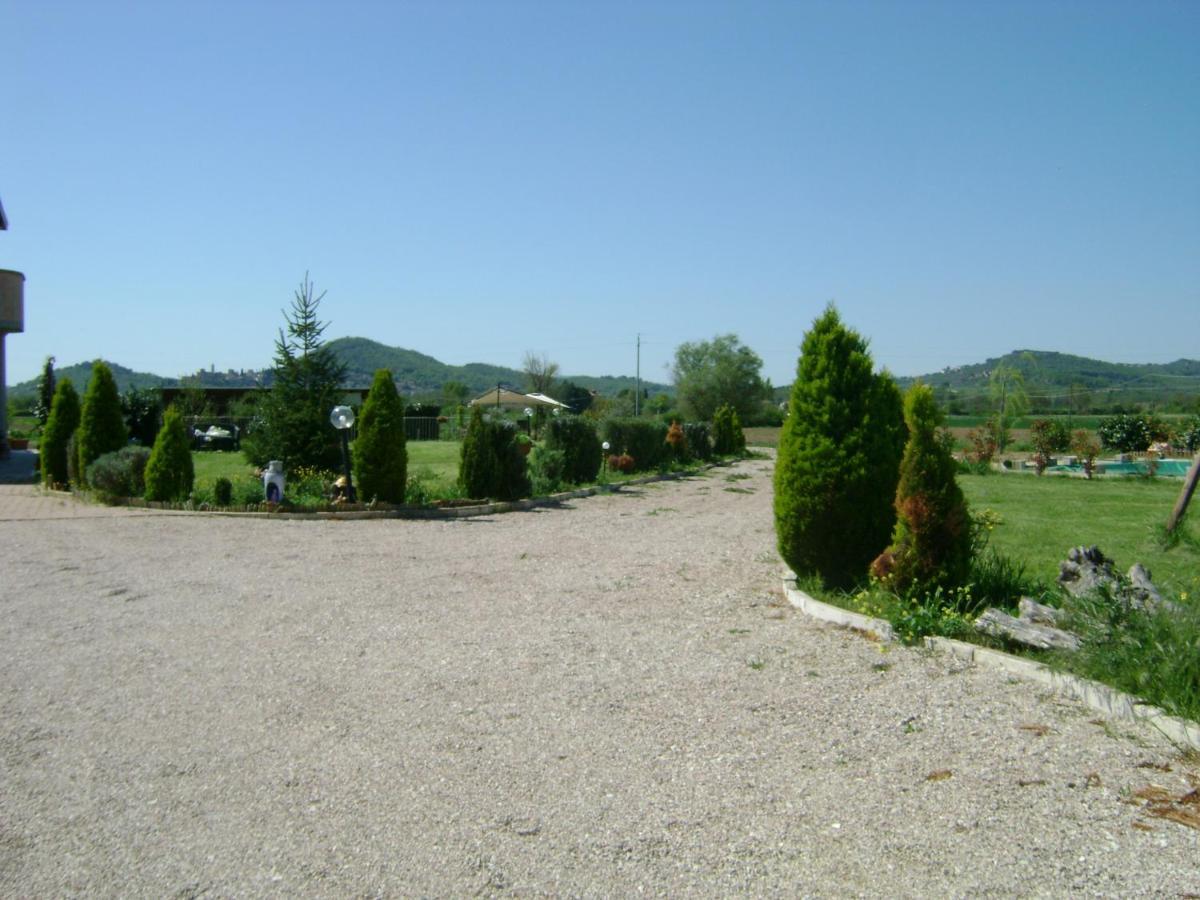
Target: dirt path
x=604, y=699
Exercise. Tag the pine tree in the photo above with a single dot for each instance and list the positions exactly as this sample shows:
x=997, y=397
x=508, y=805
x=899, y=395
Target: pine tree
x=839, y=457
x=101, y=421
x=380, y=450
x=169, y=471
x=46, y=388
x=63, y=420
x=931, y=544
x=294, y=420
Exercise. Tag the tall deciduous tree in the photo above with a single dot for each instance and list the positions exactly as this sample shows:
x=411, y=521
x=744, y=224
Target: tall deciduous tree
x=839, y=457
x=380, y=450
x=716, y=373
x=1006, y=388
x=294, y=419
x=540, y=372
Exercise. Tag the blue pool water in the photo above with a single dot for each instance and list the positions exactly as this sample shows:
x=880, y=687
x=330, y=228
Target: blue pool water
x=1173, y=468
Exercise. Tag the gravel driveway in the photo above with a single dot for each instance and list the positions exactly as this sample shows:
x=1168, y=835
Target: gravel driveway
x=604, y=699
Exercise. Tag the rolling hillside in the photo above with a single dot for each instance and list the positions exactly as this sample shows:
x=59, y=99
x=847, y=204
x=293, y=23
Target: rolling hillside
x=415, y=373
x=1055, y=380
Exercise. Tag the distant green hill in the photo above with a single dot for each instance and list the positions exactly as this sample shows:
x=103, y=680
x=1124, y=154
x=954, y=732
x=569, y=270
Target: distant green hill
x=81, y=373
x=1060, y=380
x=414, y=373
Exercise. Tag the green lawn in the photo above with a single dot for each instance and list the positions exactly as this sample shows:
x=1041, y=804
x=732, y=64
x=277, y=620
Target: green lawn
x=434, y=462
x=1044, y=517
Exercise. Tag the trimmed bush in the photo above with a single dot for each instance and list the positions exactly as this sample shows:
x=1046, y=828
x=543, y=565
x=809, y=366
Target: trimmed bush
x=120, y=473
x=699, y=440
x=839, y=458
x=931, y=544
x=60, y=426
x=642, y=439
x=580, y=445
x=546, y=468
x=727, y=436
x=491, y=465
x=101, y=420
x=381, y=450
x=223, y=491
x=169, y=472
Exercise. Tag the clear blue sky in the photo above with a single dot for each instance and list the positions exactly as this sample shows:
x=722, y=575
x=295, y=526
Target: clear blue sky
x=475, y=180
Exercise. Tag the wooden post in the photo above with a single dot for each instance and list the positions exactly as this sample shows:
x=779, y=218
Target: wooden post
x=1189, y=488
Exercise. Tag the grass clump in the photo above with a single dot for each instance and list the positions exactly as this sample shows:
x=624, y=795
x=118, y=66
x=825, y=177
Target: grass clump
x=1154, y=655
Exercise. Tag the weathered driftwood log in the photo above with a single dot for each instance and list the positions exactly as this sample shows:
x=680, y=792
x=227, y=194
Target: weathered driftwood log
x=1038, y=613
x=1041, y=637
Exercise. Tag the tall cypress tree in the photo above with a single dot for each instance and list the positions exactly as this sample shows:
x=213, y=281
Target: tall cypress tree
x=307, y=383
x=63, y=420
x=839, y=457
x=380, y=450
x=46, y=388
x=101, y=421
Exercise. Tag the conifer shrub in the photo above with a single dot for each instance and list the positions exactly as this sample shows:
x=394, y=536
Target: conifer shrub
x=839, y=458
x=546, y=470
x=74, y=477
x=169, y=471
x=643, y=440
x=677, y=441
x=61, y=424
x=101, y=419
x=931, y=543
x=576, y=438
x=120, y=473
x=491, y=464
x=381, y=448
x=223, y=491
x=727, y=436
x=699, y=440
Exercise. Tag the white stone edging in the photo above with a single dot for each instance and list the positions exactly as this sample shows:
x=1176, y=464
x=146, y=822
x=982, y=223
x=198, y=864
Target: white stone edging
x=1100, y=697
x=879, y=629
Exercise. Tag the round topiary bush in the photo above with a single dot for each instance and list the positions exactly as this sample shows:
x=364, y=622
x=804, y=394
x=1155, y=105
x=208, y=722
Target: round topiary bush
x=120, y=473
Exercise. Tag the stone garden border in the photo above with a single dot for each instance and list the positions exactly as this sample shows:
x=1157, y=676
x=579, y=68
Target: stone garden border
x=1100, y=697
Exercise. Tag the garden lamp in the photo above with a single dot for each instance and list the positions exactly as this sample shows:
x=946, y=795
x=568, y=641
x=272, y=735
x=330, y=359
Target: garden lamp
x=342, y=418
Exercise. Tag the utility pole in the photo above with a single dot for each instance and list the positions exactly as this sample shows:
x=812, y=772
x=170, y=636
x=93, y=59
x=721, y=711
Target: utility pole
x=637, y=398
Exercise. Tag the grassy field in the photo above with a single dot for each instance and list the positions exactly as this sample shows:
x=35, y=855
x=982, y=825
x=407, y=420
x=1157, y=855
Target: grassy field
x=434, y=462
x=762, y=437
x=1045, y=517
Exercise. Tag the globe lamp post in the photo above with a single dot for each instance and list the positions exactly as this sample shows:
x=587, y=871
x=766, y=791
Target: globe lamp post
x=342, y=418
